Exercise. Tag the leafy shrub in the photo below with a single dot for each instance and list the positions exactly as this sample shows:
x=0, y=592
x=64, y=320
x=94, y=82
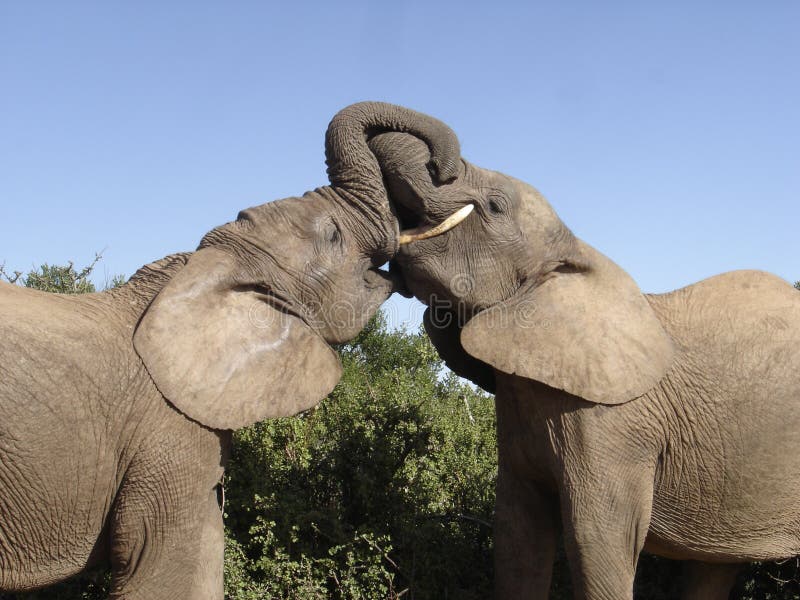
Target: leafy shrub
x=61, y=279
x=386, y=488
x=769, y=581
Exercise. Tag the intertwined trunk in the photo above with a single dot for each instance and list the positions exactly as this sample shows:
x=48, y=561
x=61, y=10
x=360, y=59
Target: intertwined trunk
x=354, y=171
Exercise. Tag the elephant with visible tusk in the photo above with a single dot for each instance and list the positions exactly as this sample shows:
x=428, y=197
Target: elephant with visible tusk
x=626, y=421
x=116, y=408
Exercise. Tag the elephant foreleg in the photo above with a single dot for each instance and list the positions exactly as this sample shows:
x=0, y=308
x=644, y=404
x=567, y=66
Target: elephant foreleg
x=525, y=530
x=210, y=547
x=166, y=532
x=605, y=525
x=160, y=555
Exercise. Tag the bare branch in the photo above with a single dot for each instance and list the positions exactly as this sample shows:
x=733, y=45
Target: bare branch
x=9, y=278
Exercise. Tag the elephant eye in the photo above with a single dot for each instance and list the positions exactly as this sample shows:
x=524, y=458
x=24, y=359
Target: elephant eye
x=333, y=234
x=494, y=206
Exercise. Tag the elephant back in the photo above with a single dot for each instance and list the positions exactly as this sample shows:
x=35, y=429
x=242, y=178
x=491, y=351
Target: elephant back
x=739, y=331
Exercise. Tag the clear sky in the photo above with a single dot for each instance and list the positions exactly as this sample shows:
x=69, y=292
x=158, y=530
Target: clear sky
x=665, y=134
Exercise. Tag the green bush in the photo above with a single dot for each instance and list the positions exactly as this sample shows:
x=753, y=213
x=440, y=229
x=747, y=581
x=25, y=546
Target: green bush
x=61, y=279
x=769, y=581
x=386, y=488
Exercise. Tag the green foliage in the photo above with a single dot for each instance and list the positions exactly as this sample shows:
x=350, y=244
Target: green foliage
x=61, y=279
x=116, y=281
x=386, y=488
x=769, y=581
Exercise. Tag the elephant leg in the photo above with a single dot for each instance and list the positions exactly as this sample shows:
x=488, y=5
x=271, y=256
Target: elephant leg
x=708, y=581
x=165, y=536
x=166, y=542
x=525, y=530
x=605, y=525
x=208, y=581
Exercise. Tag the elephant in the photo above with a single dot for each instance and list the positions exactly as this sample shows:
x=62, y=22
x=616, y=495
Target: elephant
x=116, y=408
x=626, y=422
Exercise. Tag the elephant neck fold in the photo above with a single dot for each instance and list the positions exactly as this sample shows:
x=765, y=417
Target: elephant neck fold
x=149, y=279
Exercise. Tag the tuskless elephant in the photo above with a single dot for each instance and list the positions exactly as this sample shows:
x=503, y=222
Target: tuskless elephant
x=116, y=408
x=626, y=421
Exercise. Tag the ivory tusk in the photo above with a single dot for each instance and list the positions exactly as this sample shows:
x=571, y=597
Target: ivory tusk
x=420, y=233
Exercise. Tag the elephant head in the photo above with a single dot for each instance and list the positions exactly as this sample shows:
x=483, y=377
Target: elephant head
x=241, y=332
x=512, y=289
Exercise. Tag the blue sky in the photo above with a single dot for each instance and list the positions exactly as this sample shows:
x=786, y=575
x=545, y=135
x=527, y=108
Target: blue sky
x=667, y=135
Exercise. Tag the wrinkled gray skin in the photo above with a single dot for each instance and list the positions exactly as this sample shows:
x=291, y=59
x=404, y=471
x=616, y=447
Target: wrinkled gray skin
x=116, y=408
x=626, y=421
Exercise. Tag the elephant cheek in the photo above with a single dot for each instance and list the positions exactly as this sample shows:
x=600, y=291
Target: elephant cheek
x=340, y=321
x=379, y=286
x=423, y=280
x=419, y=285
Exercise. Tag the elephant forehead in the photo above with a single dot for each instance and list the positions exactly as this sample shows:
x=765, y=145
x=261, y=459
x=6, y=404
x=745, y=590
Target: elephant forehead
x=296, y=217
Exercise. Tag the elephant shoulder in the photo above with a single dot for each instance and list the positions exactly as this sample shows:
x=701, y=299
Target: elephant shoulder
x=20, y=306
x=155, y=275
x=731, y=293
x=740, y=309
x=54, y=329
x=747, y=284
x=131, y=299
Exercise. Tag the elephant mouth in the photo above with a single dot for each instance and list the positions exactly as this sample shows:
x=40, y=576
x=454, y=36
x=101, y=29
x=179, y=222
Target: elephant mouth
x=380, y=281
x=419, y=232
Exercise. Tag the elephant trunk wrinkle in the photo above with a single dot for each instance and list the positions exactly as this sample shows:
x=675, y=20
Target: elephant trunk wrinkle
x=377, y=230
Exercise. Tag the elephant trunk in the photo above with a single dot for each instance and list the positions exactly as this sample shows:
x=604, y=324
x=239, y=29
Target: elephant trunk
x=354, y=171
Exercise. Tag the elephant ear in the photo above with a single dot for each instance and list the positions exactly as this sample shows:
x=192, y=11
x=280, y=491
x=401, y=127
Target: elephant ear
x=225, y=357
x=444, y=331
x=587, y=331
